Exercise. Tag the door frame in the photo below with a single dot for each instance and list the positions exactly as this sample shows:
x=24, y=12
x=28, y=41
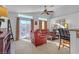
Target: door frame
x=17, y=28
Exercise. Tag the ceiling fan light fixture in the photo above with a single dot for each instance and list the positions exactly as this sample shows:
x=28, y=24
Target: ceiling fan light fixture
x=46, y=12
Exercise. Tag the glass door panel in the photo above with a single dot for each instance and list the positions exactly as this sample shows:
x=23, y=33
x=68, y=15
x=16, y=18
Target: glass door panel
x=25, y=28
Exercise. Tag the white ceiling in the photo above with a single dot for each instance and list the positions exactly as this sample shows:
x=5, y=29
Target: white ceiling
x=59, y=10
x=27, y=8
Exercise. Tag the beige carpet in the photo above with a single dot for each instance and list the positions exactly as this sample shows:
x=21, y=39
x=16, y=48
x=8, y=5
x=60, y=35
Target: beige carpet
x=26, y=47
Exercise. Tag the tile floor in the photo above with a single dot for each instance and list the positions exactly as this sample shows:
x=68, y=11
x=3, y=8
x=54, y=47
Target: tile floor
x=26, y=47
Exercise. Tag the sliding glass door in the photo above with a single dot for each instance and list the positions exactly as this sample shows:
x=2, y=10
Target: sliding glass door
x=25, y=28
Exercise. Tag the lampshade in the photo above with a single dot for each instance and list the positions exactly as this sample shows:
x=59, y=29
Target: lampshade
x=3, y=11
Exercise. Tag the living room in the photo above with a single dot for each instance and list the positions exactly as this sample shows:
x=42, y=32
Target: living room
x=42, y=17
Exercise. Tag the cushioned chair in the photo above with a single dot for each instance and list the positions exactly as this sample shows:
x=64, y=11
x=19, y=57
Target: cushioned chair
x=64, y=37
x=51, y=35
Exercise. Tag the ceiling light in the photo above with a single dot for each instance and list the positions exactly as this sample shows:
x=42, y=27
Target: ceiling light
x=43, y=19
x=25, y=16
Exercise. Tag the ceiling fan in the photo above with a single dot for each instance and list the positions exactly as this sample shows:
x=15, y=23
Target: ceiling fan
x=46, y=12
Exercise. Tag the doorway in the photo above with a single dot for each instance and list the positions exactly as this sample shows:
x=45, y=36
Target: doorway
x=24, y=29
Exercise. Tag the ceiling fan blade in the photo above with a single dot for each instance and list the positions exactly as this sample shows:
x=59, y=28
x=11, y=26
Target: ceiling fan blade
x=50, y=11
x=42, y=13
x=47, y=13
